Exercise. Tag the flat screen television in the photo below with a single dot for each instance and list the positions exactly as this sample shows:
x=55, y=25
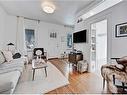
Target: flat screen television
x=80, y=37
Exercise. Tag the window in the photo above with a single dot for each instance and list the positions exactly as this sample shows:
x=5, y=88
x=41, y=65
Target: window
x=30, y=38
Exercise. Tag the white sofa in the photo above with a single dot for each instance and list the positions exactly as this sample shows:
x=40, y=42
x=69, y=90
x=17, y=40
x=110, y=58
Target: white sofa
x=10, y=73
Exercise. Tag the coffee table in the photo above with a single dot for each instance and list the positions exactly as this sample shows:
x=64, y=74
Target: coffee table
x=38, y=64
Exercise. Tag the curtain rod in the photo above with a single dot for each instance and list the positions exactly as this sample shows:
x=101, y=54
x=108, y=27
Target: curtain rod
x=41, y=20
x=29, y=18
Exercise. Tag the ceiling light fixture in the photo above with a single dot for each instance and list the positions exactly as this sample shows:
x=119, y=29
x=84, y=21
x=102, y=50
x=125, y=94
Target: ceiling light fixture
x=48, y=7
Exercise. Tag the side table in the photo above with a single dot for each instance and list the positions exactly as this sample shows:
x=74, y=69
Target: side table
x=37, y=64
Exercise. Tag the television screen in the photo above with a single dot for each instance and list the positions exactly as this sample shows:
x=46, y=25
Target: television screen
x=79, y=37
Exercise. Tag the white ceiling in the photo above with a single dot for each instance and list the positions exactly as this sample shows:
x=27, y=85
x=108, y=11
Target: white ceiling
x=64, y=14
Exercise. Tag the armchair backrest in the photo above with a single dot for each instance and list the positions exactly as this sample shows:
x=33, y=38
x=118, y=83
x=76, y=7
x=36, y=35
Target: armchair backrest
x=35, y=49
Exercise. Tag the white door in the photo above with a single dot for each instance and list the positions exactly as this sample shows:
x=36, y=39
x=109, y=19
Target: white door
x=53, y=47
x=101, y=44
x=98, y=46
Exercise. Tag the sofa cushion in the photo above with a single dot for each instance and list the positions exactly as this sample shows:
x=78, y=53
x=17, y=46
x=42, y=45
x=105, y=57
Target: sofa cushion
x=10, y=77
x=8, y=56
x=2, y=58
x=5, y=86
x=19, y=60
x=5, y=68
x=14, y=65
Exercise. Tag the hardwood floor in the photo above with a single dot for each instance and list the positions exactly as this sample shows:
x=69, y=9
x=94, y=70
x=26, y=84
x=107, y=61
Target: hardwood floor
x=86, y=83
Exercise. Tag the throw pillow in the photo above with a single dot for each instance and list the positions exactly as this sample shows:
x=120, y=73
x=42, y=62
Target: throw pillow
x=16, y=55
x=2, y=58
x=8, y=56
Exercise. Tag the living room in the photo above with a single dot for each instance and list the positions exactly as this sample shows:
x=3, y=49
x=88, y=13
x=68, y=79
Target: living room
x=72, y=65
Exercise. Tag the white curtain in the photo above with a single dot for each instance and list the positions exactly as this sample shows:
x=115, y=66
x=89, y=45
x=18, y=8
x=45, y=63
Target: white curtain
x=36, y=33
x=20, y=40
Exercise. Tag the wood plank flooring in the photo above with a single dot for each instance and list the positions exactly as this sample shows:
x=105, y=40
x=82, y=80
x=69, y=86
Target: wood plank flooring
x=86, y=83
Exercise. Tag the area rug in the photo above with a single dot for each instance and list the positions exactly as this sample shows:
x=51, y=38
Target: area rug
x=41, y=84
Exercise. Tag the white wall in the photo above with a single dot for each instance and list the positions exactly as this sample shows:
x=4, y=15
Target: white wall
x=2, y=20
x=8, y=33
x=117, y=47
x=53, y=46
x=8, y=27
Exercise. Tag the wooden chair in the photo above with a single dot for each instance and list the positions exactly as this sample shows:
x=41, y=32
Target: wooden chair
x=41, y=54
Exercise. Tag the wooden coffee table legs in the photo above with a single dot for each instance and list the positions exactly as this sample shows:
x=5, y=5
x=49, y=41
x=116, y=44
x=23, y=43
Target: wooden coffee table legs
x=39, y=68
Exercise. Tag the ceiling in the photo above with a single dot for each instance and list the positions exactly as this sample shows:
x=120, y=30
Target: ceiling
x=64, y=14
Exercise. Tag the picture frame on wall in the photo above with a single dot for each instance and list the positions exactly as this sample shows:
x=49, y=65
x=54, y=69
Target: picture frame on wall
x=121, y=30
x=53, y=35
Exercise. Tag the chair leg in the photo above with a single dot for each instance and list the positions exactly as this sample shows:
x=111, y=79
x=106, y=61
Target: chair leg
x=33, y=74
x=103, y=83
x=123, y=85
x=114, y=79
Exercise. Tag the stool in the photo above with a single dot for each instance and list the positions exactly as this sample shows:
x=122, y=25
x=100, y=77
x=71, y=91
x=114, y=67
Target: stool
x=82, y=66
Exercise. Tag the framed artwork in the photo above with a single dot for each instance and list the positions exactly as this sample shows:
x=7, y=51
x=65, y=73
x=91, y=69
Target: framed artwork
x=53, y=35
x=69, y=40
x=121, y=30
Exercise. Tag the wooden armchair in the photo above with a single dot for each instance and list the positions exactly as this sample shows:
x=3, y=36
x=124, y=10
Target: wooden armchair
x=122, y=61
x=113, y=72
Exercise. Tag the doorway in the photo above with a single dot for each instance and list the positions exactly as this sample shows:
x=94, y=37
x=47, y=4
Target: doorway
x=98, y=45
